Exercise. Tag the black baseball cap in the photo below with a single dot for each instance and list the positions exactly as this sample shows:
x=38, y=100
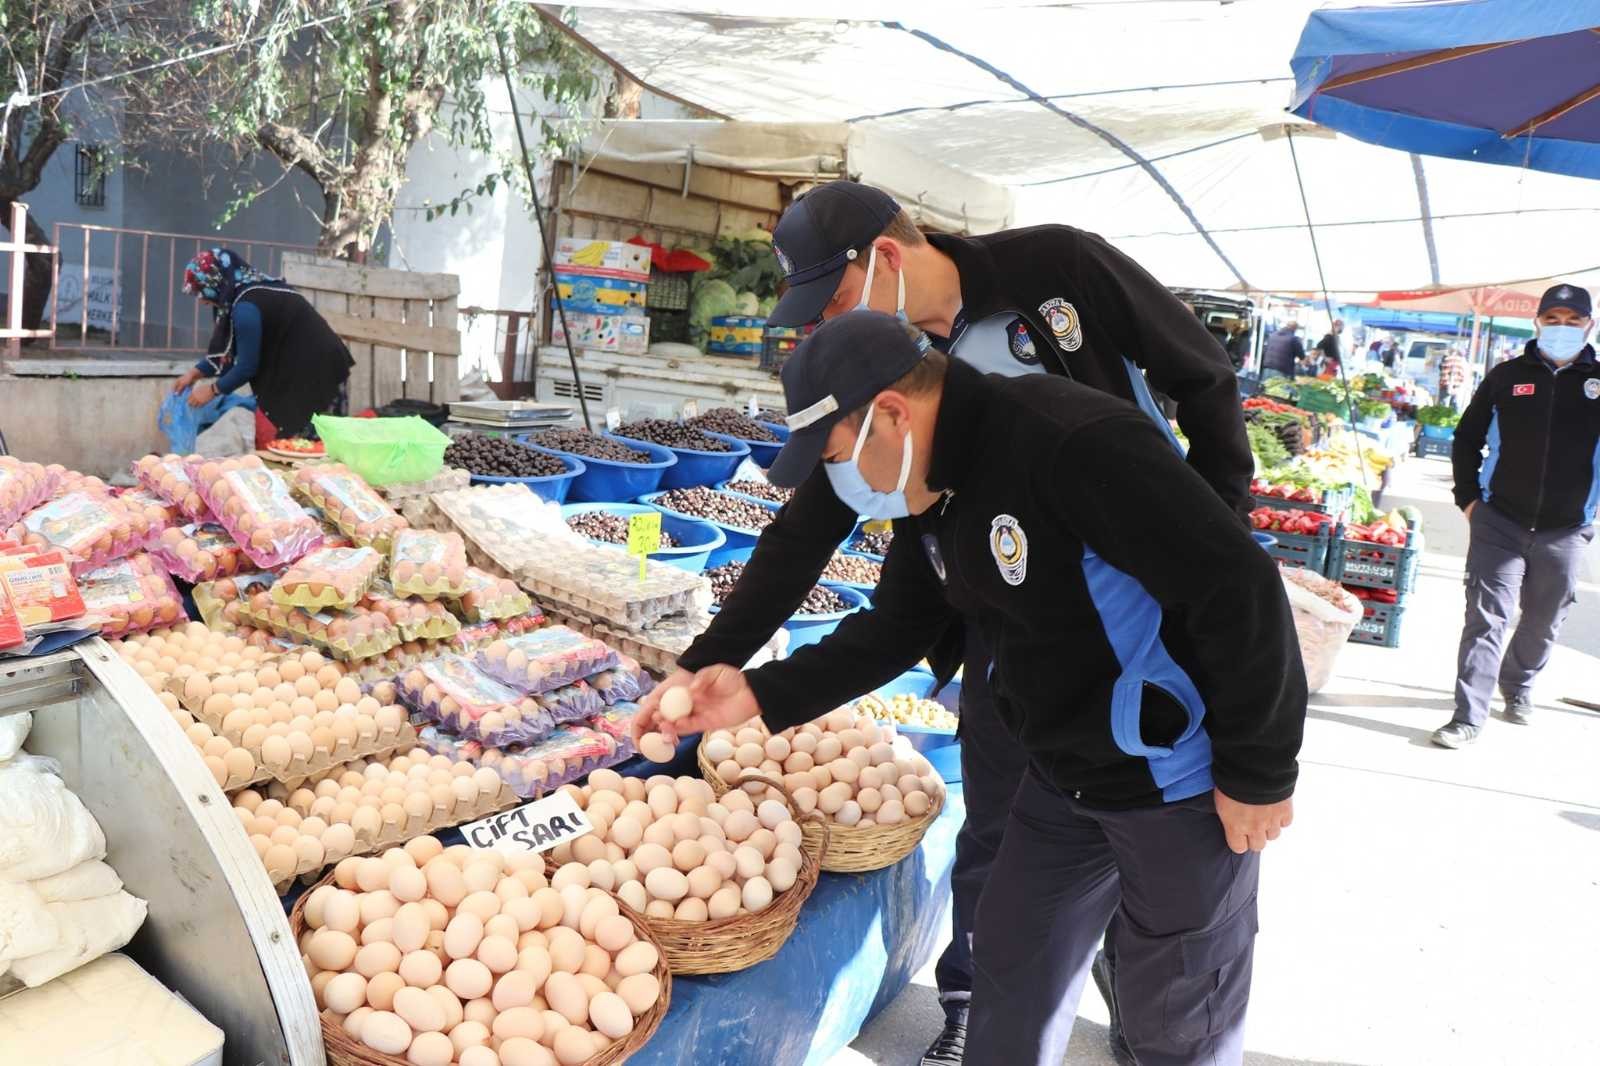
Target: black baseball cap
x=820, y=235
x=1572, y=297
x=834, y=372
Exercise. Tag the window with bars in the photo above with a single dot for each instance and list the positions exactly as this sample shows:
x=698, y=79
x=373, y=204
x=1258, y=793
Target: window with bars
x=89, y=176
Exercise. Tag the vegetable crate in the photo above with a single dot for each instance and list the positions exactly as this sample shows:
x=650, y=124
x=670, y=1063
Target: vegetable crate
x=1379, y=625
x=1427, y=446
x=1335, y=502
x=1301, y=550
x=1375, y=566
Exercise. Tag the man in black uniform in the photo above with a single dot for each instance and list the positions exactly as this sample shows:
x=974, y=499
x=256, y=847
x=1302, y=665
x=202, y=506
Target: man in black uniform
x=1040, y=300
x=1531, y=507
x=1144, y=657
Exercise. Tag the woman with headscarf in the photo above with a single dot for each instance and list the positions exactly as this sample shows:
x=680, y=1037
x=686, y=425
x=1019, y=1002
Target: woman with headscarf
x=269, y=336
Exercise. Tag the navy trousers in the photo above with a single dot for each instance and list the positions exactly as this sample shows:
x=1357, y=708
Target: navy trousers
x=1182, y=942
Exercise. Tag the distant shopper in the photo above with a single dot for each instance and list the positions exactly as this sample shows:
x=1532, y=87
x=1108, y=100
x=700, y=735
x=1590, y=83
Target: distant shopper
x=268, y=336
x=1284, y=352
x=1452, y=378
x=1329, y=358
x=1531, y=507
x=1391, y=354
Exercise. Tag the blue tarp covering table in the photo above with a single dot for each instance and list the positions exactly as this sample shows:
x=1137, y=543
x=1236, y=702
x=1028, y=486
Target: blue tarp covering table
x=860, y=939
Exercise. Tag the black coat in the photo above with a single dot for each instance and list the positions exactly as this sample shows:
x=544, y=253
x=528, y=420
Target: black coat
x=1143, y=647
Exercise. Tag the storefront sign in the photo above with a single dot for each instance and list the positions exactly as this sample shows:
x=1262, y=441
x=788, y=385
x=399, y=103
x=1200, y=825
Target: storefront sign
x=533, y=827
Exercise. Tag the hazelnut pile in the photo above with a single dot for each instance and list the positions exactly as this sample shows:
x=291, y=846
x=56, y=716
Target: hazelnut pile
x=589, y=445
x=762, y=490
x=720, y=507
x=731, y=423
x=672, y=435
x=610, y=528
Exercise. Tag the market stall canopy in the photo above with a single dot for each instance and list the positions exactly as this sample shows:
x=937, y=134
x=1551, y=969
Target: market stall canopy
x=1494, y=81
x=937, y=194
x=1161, y=126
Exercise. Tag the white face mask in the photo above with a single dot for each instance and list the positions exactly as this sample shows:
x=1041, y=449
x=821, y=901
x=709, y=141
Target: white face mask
x=866, y=290
x=1562, y=344
x=854, y=491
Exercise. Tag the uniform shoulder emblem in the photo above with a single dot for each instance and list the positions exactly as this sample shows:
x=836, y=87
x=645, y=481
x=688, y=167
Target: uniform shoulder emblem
x=1591, y=388
x=1009, y=546
x=1062, y=318
x=1021, y=343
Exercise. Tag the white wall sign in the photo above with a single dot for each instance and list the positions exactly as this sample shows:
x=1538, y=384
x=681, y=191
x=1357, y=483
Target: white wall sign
x=103, y=292
x=533, y=827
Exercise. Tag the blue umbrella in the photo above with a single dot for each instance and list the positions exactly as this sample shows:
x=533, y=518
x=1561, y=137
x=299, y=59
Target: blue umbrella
x=1496, y=81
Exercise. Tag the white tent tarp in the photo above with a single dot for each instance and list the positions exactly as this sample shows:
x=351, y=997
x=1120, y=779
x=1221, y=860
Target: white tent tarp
x=1156, y=124
x=937, y=194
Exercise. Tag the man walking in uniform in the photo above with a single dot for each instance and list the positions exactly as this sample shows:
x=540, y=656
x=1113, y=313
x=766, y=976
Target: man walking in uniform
x=1036, y=301
x=1531, y=506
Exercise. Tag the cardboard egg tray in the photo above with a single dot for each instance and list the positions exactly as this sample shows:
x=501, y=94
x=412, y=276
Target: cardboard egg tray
x=393, y=835
x=445, y=480
x=298, y=585
x=490, y=597
x=383, y=746
x=301, y=627
x=414, y=549
x=509, y=524
x=605, y=584
x=658, y=647
x=436, y=623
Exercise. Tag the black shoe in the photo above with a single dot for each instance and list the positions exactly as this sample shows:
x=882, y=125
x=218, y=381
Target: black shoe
x=949, y=1048
x=1456, y=734
x=1519, y=709
x=1101, y=971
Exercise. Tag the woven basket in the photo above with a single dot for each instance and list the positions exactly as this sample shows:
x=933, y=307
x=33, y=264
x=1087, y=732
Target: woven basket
x=737, y=943
x=345, y=1050
x=851, y=849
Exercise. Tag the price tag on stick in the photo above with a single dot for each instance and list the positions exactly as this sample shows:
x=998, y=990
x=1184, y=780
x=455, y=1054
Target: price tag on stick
x=613, y=419
x=644, y=537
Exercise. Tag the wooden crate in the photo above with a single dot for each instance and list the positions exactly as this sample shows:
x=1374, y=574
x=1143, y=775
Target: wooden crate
x=400, y=326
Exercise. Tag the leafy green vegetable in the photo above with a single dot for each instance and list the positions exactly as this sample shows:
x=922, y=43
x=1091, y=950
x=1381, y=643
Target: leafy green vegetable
x=1374, y=409
x=747, y=265
x=1269, y=450
x=1439, y=415
x=712, y=299
x=749, y=304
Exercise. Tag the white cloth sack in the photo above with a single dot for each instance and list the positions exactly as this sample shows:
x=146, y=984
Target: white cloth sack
x=88, y=929
x=44, y=828
x=13, y=731
x=87, y=880
x=26, y=926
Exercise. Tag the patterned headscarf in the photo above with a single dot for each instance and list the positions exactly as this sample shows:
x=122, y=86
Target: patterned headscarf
x=220, y=275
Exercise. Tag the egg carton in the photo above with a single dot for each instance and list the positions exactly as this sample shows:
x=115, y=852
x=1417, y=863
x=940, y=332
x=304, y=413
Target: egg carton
x=623, y=683
x=420, y=512
x=349, y=503
x=88, y=527
x=416, y=619
x=414, y=550
x=531, y=770
x=545, y=659
x=489, y=597
x=199, y=552
x=604, y=584
x=328, y=578
x=509, y=524
x=168, y=477
x=658, y=647
x=24, y=486
x=375, y=633
x=161, y=514
x=130, y=595
x=211, y=597
x=393, y=834
x=300, y=770
x=253, y=503
x=446, y=480
x=617, y=723
x=468, y=702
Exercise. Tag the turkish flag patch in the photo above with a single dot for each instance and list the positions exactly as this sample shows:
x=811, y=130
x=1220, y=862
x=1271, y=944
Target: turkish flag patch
x=1522, y=390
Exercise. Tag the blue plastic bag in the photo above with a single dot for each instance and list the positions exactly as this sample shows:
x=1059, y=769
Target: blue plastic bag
x=182, y=423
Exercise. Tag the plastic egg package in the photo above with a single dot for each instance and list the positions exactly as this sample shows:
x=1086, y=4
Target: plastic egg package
x=415, y=619
x=670, y=849
x=130, y=595
x=328, y=577
x=508, y=523
x=545, y=659
x=199, y=552
x=168, y=477
x=428, y=564
x=23, y=486
x=87, y=525
x=616, y=722
x=446, y=480
x=160, y=514
x=624, y=683
x=604, y=583
x=856, y=771
x=563, y=755
x=455, y=955
x=489, y=598
x=347, y=501
x=351, y=634
x=571, y=703
x=253, y=503
x=453, y=692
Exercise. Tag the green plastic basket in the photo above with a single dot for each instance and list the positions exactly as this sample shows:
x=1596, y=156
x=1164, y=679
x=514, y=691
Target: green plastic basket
x=384, y=450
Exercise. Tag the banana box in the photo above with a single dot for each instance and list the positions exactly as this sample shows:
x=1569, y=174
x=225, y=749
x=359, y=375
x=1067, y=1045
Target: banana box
x=585, y=290
x=614, y=257
x=735, y=335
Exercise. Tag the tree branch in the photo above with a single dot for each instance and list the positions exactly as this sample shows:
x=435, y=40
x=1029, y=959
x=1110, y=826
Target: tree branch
x=298, y=150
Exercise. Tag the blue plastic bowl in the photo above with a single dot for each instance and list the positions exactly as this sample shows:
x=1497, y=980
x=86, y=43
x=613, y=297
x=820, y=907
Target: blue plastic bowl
x=809, y=628
x=761, y=451
x=695, y=467
x=1439, y=432
x=696, y=538
x=1266, y=540
x=939, y=746
x=779, y=430
x=605, y=480
x=553, y=488
x=736, y=537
